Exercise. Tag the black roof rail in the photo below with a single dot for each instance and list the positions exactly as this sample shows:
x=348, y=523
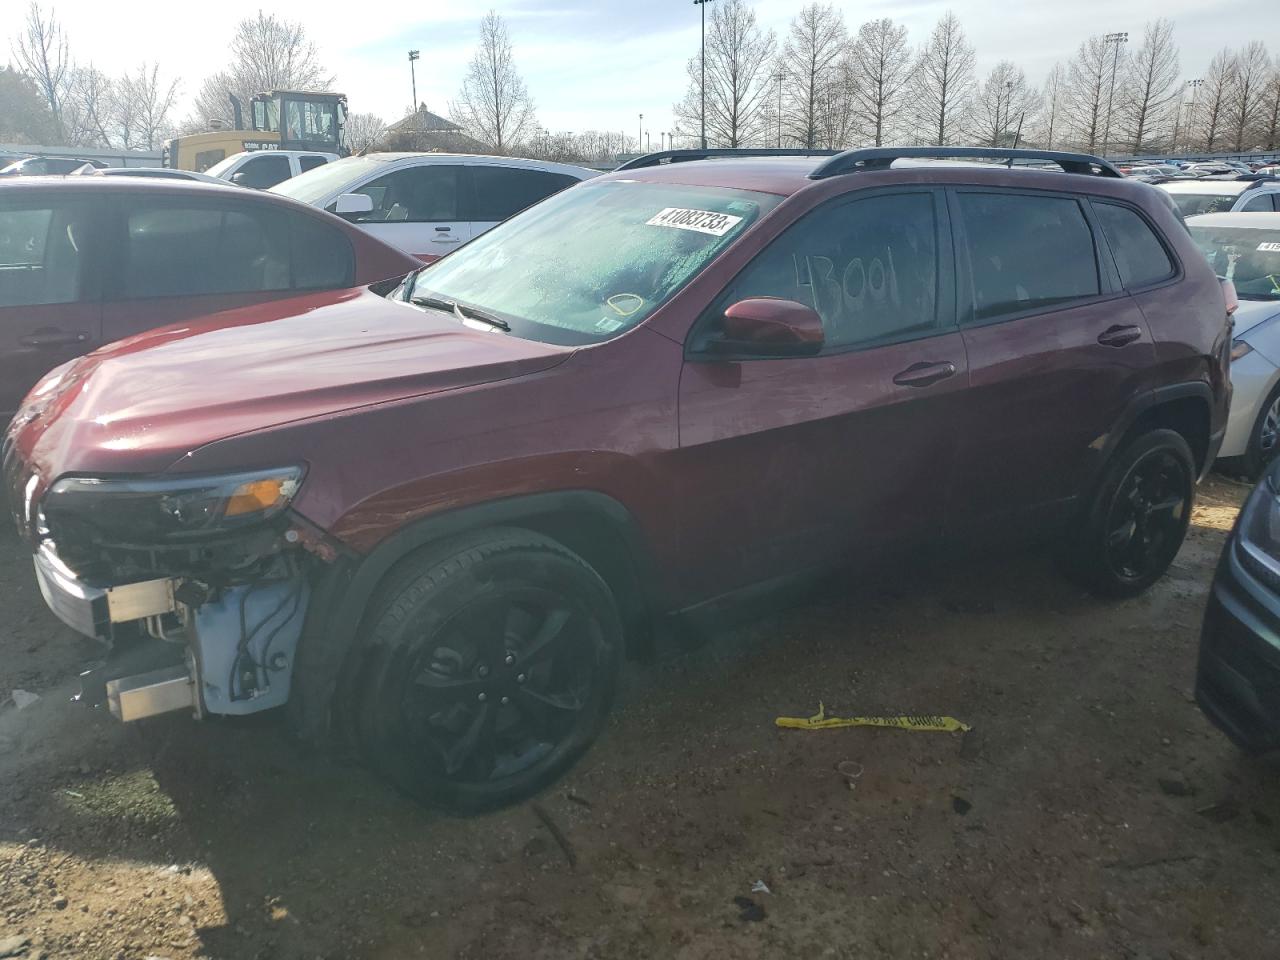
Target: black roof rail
x=663, y=157
x=1256, y=179
x=881, y=158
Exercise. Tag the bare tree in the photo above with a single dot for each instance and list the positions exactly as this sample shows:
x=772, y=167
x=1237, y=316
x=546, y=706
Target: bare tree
x=808, y=65
x=739, y=57
x=1053, y=96
x=267, y=53
x=1214, y=99
x=41, y=52
x=1270, y=126
x=88, y=106
x=942, y=81
x=880, y=70
x=494, y=104
x=1086, y=92
x=364, y=130
x=1003, y=101
x=1246, y=102
x=1150, y=87
x=144, y=107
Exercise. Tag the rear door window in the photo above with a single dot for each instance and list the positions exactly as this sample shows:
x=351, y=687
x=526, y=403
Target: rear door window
x=1258, y=204
x=310, y=163
x=263, y=171
x=502, y=192
x=1140, y=256
x=1027, y=253
x=42, y=252
x=175, y=249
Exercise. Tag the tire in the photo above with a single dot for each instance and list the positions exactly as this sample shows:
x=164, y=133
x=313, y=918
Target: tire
x=1264, y=439
x=1136, y=520
x=487, y=667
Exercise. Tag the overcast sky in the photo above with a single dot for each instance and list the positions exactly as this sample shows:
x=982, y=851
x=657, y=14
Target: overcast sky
x=597, y=64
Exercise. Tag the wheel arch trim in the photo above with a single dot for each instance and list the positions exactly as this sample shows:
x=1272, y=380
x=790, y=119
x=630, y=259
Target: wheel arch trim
x=345, y=587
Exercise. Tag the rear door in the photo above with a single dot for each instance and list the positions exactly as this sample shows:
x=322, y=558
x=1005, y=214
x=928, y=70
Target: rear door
x=175, y=257
x=1056, y=349
x=419, y=209
x=502, y=192
x=791, y=463
x=50, y=305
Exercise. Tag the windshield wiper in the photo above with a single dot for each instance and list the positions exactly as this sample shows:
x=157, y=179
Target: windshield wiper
x=461, y=312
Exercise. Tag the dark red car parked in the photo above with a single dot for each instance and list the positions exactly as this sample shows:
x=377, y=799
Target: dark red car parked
x=435, y=520
x=88, y=260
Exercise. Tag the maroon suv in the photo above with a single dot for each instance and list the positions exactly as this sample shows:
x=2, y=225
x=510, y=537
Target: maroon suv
x=436, y=519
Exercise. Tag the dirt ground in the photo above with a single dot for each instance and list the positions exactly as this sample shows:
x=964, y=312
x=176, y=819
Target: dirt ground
x=1093, y=812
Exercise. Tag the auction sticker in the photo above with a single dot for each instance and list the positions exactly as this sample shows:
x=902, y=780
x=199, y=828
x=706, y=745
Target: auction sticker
x=1266, y=247
x=703, y=221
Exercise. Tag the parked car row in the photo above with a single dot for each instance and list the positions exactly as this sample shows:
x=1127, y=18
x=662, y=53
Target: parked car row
x=435, y=513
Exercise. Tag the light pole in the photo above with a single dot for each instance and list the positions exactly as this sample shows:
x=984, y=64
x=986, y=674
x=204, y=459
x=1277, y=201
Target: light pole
x=702, y=5
x=413, y=56
x=640, y=138
x=780, y=76
x=1118, y=40
x=1008, y=104
x=646, y=141
x=1195, y=86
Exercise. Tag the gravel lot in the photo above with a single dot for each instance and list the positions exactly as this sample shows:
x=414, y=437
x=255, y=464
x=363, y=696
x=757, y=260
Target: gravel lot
x=1091, y=813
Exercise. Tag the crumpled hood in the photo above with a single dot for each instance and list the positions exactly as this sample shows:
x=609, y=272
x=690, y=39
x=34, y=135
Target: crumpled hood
x=1250, y=313
x=139, y=405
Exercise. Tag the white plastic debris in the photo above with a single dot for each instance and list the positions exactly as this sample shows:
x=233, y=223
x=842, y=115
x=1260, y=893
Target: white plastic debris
x=24, y=698
x=760, y=887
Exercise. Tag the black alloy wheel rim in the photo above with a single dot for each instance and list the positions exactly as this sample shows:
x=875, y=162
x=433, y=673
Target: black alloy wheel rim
x=1147, y=516
x=497, y=689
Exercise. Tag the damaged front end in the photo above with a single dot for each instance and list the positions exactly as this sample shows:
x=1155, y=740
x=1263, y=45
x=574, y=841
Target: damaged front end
x=199, y=584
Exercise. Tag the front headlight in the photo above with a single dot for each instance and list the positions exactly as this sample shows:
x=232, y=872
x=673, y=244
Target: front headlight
x=166, y=509
x=1258, y=539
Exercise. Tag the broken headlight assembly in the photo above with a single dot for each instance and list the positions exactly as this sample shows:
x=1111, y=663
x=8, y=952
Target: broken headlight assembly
x=167, y=509
x=1258, y=539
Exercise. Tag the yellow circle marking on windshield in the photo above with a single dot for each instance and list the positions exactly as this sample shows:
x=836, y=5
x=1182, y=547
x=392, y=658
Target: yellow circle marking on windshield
x=630, y=303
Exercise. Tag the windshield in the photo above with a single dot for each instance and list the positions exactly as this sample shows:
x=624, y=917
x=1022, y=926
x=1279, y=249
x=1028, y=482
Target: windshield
x=1247, y=256
x=314, y=185
x=594, y=260
x=1194, y=204
x=222, y=166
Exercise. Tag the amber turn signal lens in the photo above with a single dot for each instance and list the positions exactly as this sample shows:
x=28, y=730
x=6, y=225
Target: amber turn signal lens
x=256, y=496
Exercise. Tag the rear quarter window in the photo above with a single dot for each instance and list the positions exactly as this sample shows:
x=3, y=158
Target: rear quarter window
x=1140, y=256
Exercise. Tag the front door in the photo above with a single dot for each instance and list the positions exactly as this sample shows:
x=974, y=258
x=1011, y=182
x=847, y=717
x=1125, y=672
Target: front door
x=793, y=463
x=50, y=310
x=421, y=209
x=1056, y=353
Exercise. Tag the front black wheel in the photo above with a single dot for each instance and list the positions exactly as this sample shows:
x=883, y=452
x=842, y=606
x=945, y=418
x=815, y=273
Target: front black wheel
x=1137, y=519
x=489, y=666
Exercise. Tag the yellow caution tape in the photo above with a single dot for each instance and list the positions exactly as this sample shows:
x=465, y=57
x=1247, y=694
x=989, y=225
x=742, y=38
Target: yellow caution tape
x=820, y=721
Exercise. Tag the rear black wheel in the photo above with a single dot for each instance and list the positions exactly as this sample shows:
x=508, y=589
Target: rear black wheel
x=1138, y=517
x=1264, y=440
x=489, y=667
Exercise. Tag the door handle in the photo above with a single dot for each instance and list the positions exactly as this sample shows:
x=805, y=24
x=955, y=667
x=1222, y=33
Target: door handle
x=1119, y=336
x=444, y=229
x=923, y=374
x=54, y=338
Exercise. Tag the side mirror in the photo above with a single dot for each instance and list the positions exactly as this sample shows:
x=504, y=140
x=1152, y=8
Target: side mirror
x=769, y=327
x=353, y=204
x=238, y=178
